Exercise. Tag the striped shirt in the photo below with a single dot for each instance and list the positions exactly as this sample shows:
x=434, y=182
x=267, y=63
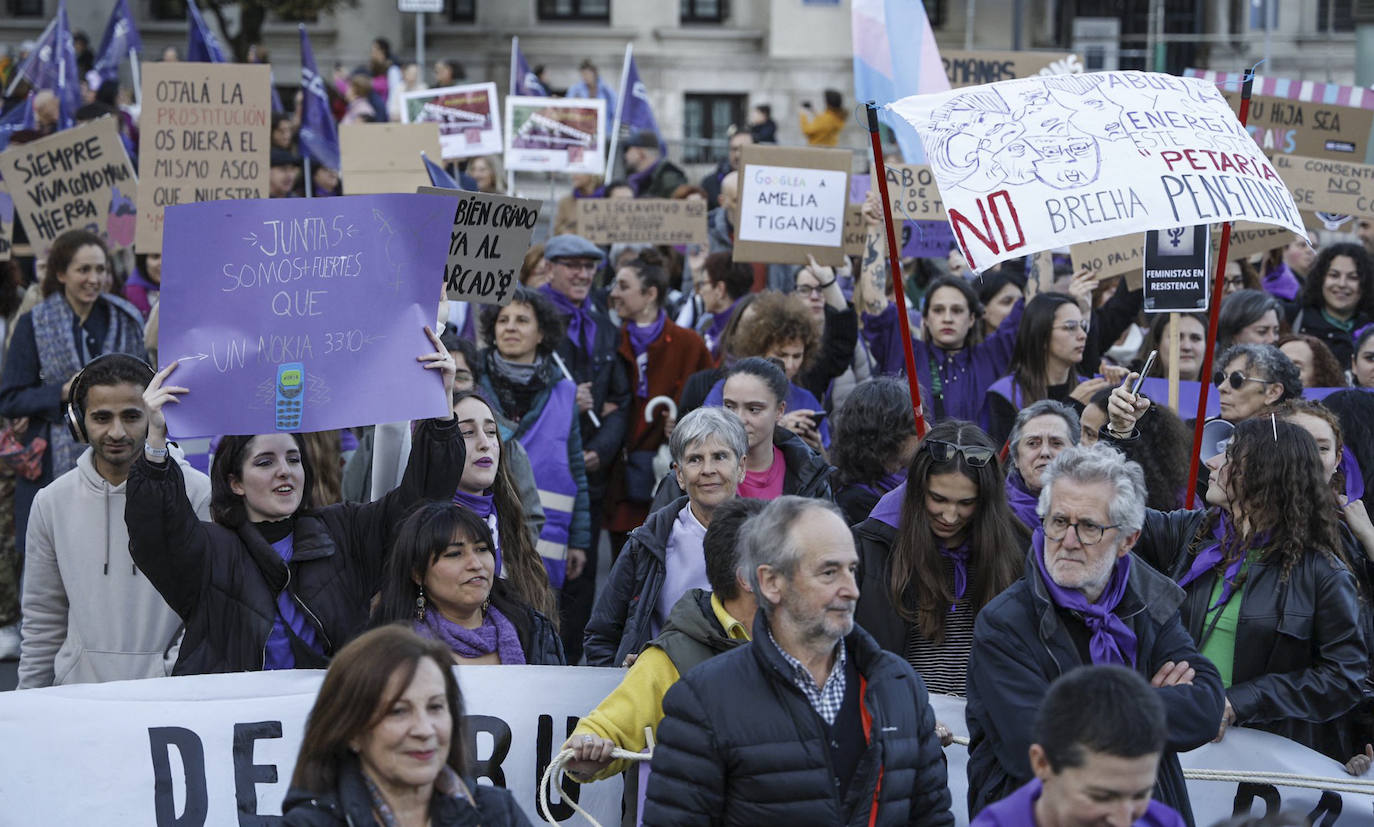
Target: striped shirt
x=944, y=666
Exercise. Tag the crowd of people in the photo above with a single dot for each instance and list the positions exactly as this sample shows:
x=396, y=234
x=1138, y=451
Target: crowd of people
x=795, y=564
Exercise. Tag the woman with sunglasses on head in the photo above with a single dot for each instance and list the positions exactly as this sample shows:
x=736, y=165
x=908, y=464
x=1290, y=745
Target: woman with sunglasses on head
x=1252, y=379
x=935, y=550
x=1269, y=598
x=1337, y=299
x=1049, y=346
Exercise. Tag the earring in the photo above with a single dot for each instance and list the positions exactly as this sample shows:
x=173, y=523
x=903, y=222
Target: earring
x=420, y=605
x=485, y=605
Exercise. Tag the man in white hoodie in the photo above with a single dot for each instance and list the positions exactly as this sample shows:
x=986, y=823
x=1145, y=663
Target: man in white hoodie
x=89, y=614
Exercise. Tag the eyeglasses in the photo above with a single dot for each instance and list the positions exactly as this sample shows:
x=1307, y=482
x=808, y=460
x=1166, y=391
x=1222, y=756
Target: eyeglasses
x=810, y=292
x=1089, y=533
x=589, y=265
x=976, y=456
x=1237, y=379
x=1069, y=327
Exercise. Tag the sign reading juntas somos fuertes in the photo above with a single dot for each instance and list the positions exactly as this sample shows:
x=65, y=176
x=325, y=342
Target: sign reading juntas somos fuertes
x=1037, y=163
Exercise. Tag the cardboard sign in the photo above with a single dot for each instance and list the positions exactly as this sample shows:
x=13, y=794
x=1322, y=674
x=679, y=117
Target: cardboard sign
x=302, y=314
x=914, y=194
x=1123, y=255
x=1251, y=239
x=205, y=136
x=642, y=220
x=556, y=134
x=469, y=118
x=792, y=202
x=974, y=68
x=1327, y=185
x=63, y=182
x=487, y=244
x=6, y=226
x=855, y=230
x=1049, y=161
x=378, y=158
x=224, y=746
x=1284, y=126
x=1176, y=276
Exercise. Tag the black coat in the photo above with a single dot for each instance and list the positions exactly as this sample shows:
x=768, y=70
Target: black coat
x=224, y=582
x=623, y=615
x=807, y=474
x=1300, y=658
x=1021, y=645
x=1309, y=320
x=838, y=341
x=350, y=805
x=740, y=744
x=610, y=379
x=540, y=643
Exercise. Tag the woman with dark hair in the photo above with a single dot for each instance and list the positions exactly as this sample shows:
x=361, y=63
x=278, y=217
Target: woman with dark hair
x=875, y=441
x=1251, y=379
x=525, y=386
x=273, y=582
x=145, y=282
x=998, y=293
x=1316, y=364
x=1337, y=299
x=726, y=283
x=1049, y=346
x=1362, y=362
x=1282, y=269
x=445, y=579
x=1268, y=550
x=1355, y=410
x=1192, y=344
x=935, y=550
x=700, y=383
x=1160, y=447
x=1248, y=317
x=384, y=743
x=76, y=321
x=661, y=357
x=1240, y=275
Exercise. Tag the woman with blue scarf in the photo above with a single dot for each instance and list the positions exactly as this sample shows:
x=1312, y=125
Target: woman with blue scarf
x=1269, y=596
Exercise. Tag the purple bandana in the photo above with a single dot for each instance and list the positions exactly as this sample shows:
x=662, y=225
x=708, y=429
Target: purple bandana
x=640, y=339
x=483, y=505
x=1281, y=283
x=1354, y=479
x=1212, y=556
x=1022, y=502
x=1112, y=640
x=496, y=634
x=581, y=325
x=716, y=329
x=885, y=483
x=958, y=556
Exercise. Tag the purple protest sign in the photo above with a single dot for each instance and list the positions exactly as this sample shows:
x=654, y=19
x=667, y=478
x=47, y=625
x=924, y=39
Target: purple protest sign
x=859, y=185
x=302, y=314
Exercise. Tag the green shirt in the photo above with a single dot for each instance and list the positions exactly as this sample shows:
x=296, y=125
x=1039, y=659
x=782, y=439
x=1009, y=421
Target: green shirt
x=1220, y=646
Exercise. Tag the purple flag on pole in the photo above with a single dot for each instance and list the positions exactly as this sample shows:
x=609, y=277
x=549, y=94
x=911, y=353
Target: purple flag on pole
x=319, y=135
x=16, y=120
x=636, y=113
x=525, y=83
x=201, y=44
x=121, y=36
x=295, y=314
x=438, y=176
x=52, y=66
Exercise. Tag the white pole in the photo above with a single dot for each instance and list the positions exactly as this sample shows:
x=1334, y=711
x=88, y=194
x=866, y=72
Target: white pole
x=420, y=42
x=619, y=110
x=133, y=69
x=558, y=360
x=514, y=47
x=968, y=25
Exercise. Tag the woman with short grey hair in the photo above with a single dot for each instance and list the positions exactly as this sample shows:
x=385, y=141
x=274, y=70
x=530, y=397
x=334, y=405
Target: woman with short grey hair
x=1041, y=430
x=664, y=559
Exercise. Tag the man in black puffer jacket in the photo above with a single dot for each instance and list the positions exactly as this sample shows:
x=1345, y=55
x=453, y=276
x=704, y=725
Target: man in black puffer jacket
x=811, y=723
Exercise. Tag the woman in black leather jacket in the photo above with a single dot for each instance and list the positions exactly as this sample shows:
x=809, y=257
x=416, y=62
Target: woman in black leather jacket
x=1270, y=599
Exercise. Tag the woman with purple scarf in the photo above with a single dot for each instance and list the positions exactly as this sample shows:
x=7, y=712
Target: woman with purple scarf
x=874, y=444
x=936, y=549
x=1269, y=597
x=443, y=578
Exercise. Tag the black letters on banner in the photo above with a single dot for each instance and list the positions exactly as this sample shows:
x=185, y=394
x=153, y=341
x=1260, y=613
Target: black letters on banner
x=248, y=775
x=187, y=743
x=543, y=752
x=500, y=733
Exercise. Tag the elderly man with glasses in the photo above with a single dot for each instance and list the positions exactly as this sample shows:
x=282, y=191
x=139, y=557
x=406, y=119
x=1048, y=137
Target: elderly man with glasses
x=1084, y=599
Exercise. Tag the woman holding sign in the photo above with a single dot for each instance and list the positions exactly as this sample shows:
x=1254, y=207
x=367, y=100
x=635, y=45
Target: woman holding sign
x=272, y=583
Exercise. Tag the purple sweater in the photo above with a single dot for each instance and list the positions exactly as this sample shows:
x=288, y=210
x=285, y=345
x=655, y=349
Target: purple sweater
x=965, y=375
x=1018, y=810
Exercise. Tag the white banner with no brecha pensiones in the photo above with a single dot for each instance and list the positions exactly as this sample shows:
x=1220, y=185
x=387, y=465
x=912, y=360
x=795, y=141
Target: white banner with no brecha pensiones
x=1044, y=162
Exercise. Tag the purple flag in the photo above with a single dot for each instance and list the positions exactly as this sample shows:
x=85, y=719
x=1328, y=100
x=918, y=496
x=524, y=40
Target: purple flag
x=636, y=113
x=16, y=120
x=52, y=66
x=522, y=80
x=438, y=176
x=121, y=36
x=294, y=314
x=319, y=135
x=201, y=44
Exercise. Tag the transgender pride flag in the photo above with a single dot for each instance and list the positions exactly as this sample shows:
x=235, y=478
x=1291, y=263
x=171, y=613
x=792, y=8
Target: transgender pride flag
x=886, y=70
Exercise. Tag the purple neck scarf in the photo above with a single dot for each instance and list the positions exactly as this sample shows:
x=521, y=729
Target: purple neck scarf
x=1112, y=640
x=581, y=325
x=1281, y=283
x=1212, y=556
x=885, y=483
x=599, y=192
x=1354, y=479
x=496, y=634
x=959, y=557
x=717, y=327
x=640, y=339
x=1022, y=502
x=639, y=180
x=483, y=505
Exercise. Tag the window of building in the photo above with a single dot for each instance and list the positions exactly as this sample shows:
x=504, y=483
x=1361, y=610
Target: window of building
x=935, y=12
x=1335, y=15
x=703, y=11
x=168, y=9
x=24, y=8
x=583, y=10
x=706, y=123
x=462, y=11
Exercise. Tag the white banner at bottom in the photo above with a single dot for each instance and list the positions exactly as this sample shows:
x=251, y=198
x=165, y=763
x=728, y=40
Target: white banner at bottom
x=220, y=749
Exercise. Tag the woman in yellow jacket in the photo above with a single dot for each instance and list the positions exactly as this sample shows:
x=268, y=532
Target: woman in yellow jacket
x=824, y=129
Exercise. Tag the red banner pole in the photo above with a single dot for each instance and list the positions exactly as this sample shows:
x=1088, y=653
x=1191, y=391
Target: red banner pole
x=1214, y=313
x=894, y=264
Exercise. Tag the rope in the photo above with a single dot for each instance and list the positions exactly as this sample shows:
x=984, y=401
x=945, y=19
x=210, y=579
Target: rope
x=1353, y=786
x=553, y=777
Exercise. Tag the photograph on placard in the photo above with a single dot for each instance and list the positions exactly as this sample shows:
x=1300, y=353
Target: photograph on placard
x=555, y=135
x=469, y=118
